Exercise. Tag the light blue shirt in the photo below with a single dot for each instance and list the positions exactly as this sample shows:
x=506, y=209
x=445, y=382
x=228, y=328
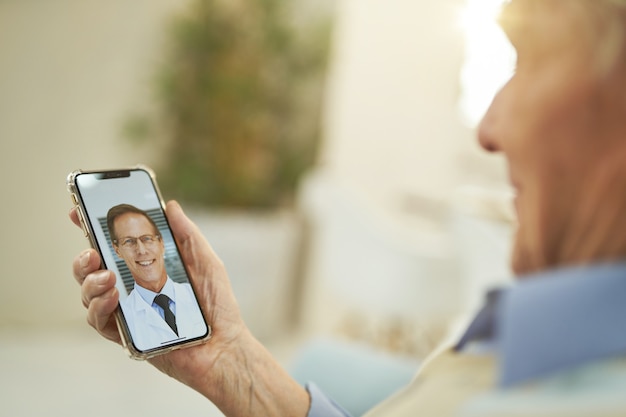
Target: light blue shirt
x=148, y=296
x=545, y=323
x=322, y=406
x=559, y=320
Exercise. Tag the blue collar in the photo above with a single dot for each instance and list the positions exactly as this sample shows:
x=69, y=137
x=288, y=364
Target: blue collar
x=554, y=321
x=148, y=296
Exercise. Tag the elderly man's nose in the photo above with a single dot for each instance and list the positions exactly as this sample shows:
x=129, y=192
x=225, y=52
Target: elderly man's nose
x=488, y=136
x=486, y=141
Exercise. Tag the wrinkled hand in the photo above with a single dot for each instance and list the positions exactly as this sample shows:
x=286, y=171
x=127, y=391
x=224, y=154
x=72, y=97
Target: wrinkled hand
x=232, y=369
x=210, y=280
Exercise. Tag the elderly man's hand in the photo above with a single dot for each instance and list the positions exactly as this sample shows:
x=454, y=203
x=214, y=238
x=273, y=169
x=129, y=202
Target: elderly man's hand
x=98, y=291
x=233, y=368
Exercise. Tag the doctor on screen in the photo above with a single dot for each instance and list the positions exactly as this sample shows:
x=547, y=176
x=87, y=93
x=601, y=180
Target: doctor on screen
x=157, y=310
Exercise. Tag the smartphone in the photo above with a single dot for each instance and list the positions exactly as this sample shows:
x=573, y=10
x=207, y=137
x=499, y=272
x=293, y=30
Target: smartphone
x=123, y=215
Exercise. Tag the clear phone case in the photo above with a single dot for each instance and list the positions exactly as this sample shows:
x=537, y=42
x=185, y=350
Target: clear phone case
x=79, y=201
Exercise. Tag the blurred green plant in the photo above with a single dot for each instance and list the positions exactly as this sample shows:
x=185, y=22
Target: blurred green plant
x=238, y=102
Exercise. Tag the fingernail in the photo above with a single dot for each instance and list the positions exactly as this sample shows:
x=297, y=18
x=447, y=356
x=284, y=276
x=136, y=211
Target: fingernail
x=84, y=259
x=111, y=293
x=101, y=277
x=177, y=205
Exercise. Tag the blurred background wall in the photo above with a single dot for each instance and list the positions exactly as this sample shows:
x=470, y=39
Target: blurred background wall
x=394, y=235
x=69, y=72
x=404, y=237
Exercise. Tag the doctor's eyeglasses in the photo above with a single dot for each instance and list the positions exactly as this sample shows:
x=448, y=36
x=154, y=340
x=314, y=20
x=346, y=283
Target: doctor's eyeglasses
x=131, y=243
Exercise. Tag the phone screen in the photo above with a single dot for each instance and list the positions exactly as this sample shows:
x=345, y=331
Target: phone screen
x=158, y=304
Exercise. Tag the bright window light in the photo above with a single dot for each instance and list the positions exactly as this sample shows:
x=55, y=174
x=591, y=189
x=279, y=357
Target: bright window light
x=489, y=58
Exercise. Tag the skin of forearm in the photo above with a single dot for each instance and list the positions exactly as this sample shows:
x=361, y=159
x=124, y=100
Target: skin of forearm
x=245, y=380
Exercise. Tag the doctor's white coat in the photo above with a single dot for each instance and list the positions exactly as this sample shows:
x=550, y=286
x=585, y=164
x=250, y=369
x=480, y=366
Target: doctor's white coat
x=149, y=330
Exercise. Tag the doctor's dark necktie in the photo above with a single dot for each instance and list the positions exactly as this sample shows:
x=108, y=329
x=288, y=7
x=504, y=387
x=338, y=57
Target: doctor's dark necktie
x=163, y=301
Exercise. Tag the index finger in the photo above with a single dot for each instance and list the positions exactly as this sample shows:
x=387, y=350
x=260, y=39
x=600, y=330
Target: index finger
x=74, y=216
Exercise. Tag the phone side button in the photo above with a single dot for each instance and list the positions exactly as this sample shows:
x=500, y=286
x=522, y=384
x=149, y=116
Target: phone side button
x=81, y=218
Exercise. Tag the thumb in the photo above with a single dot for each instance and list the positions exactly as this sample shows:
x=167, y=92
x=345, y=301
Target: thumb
x=182, y=227
x=196, y=252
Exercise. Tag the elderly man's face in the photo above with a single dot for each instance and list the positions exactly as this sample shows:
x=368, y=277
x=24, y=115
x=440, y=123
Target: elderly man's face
x=555, y=121
x=143, y=253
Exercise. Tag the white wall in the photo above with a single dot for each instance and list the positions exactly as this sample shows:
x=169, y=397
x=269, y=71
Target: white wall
x=70, y=70
x=386, y=240
x=392, y=124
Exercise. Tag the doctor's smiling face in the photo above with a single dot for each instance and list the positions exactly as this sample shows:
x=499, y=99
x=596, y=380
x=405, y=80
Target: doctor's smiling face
x=559, y=122
x=139, y=244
